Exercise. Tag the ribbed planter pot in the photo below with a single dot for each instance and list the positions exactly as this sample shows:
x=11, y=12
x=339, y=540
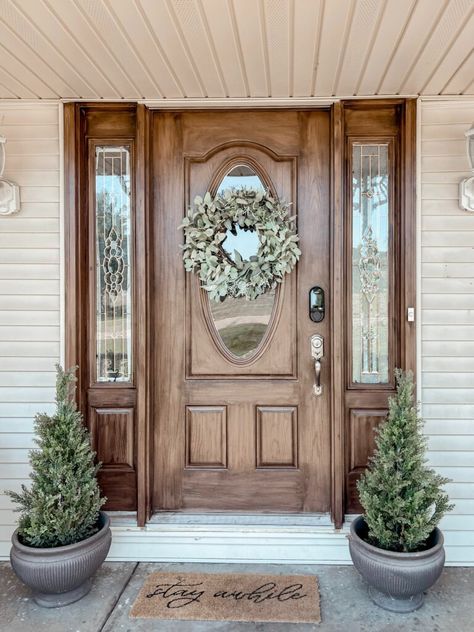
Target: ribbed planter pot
x=61, y=575
x=396, y=581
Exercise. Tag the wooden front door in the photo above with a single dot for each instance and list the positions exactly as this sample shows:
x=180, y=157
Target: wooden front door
x=236, y=423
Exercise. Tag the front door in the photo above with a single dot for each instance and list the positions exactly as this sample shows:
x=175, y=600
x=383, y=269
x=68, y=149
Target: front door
x=237, y=424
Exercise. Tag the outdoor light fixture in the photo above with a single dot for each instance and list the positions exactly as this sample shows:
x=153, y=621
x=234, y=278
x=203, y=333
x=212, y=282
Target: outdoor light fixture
x=9, y=191
x=466, y=186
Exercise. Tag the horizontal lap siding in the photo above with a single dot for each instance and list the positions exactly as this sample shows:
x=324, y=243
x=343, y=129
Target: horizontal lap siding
x=447, y=302
x=29, y=290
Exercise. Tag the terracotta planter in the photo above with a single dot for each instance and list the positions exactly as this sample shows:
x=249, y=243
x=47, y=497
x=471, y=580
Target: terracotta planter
x=61, y=575
x=396, y=580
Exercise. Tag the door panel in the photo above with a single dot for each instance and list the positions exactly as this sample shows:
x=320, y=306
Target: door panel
x=206, y=436
x=277, y=436
x=235, y=433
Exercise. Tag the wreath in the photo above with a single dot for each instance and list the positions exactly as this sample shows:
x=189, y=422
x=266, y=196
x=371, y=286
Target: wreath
x=206, y=227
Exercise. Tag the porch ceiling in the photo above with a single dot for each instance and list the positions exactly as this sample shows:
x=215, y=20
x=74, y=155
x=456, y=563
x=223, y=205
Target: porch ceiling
x=156, y=49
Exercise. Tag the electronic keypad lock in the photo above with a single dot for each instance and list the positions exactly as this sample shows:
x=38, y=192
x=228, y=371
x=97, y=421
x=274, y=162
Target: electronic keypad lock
x=316, y=304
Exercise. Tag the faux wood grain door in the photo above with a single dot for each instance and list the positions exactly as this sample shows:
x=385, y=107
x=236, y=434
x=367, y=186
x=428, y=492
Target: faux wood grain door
x=236, y=430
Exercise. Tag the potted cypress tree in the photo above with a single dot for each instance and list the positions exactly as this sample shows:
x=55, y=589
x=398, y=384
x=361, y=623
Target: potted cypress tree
x=396, y=544
x=62, y=537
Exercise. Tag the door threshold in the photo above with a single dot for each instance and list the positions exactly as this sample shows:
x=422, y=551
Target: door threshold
x=242, y=518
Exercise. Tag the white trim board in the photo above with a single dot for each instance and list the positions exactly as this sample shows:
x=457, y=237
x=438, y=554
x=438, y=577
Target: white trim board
x=229, y=543
x=465, y=100
x=216, y=103
x=246, y=102
x=240, y=544
x=418, y=232
x=278, y=539
x=62, y=243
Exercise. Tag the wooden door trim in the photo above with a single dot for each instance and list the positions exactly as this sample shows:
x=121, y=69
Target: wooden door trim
x=408, y=230
x=143, y=203
x=337, y=316
x=74, y=240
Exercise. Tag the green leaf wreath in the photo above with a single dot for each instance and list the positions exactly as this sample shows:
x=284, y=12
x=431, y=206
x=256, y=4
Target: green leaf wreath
x=205, y=230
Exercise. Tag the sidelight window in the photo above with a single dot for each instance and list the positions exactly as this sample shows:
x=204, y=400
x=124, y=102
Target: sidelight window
x=370, y=263
x=112, y=263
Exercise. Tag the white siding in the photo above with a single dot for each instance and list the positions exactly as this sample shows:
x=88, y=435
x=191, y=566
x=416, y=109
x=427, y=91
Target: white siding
x=29, y=290
x=447, y=314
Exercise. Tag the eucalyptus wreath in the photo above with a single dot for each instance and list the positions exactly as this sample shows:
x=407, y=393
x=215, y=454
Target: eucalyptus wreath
x=206, y=226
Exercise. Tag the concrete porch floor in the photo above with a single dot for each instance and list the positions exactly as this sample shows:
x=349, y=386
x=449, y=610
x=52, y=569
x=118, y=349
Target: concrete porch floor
x=345, y=604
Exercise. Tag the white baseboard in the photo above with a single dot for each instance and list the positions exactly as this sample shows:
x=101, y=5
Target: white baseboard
x=230, y=543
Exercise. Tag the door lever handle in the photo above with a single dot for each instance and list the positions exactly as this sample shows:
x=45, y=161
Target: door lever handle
x=317, y=352
x=317, y=388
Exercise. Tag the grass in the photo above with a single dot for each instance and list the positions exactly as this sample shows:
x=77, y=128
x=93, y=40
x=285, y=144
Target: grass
x=241, y=340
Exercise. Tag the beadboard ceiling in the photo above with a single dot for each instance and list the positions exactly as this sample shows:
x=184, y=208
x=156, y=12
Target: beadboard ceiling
x=175, y=49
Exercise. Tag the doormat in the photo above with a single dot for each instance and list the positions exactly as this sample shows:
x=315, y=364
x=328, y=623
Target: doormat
x=229, y=597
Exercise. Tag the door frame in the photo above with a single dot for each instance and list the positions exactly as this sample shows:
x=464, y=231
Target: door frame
x=105, y=121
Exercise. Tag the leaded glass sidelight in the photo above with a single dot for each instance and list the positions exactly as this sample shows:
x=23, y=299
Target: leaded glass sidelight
x=370, y=263
x=113, y=260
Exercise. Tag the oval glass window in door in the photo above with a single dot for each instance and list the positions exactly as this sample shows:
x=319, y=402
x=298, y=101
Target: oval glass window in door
x=242, y=324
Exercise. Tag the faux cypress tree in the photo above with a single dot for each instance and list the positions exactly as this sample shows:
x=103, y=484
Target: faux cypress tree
x=403, y=498
x=62, y=506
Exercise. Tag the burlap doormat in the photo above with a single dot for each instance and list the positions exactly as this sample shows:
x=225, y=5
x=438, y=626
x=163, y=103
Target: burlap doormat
x=229, y=597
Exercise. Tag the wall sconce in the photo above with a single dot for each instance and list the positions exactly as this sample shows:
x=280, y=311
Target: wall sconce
x=466, y=186
x=9, y=191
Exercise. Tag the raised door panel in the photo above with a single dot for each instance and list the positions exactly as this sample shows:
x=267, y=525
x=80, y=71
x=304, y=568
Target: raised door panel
x=255, y=491
x=112, y=433
x=277, y=130
x=277, y=436
x=113, y=436
x=361, y=444
x=363, y=424
x=206, y=436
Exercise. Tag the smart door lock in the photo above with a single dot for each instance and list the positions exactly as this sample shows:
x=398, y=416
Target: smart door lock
x=316, y=304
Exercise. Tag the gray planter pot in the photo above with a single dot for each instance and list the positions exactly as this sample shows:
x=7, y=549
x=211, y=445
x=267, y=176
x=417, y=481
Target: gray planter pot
x=61, y=575
x=396, y=581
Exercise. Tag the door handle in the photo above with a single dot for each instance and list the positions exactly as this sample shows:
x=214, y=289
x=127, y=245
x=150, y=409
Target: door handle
x=317, y=352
